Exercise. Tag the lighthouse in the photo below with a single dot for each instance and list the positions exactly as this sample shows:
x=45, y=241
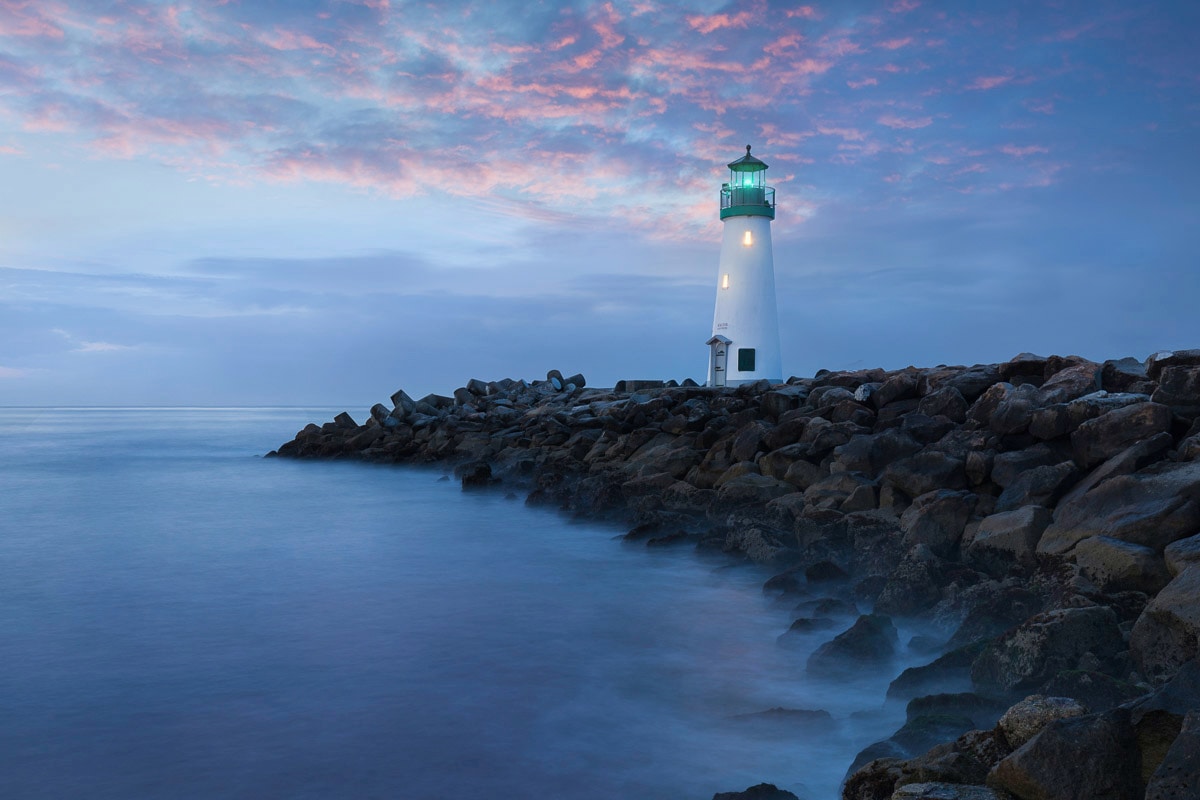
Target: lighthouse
x=744, y=347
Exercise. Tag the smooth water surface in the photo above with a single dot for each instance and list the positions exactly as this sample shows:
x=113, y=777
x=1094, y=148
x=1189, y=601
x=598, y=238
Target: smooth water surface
x=182, y=618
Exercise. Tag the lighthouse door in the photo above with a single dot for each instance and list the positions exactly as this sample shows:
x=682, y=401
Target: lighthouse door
x=719, y=350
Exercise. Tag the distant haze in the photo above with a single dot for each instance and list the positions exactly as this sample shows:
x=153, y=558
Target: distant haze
x=292, y=202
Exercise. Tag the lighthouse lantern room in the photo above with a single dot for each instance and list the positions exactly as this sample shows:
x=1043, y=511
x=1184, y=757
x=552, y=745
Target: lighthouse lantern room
x=744, y=347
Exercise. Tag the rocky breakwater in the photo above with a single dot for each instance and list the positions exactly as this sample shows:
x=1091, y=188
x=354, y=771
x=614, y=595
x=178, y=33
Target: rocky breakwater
x=1040, y=516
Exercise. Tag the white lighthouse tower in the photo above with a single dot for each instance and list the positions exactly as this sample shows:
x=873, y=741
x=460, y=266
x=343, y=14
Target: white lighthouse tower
x=744, y=347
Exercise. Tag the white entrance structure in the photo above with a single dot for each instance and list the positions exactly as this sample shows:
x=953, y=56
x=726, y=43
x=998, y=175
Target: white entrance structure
x=744, y=347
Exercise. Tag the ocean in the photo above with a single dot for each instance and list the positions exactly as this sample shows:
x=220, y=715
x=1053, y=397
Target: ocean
x=183, y=618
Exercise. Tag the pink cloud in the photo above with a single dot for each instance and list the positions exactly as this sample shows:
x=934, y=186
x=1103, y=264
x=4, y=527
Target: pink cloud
x=713, y=22
x=862, y=83
x=896, y=44
x=893, y=121
x=1040, y=106
x=11, y=372
x=22, y=19
x=989, y=82
x=788, y=42
x=895, y=177
x=1021, y=152
x=901, y=6
x=848, y=134
x=10, y=150
x=804, y=12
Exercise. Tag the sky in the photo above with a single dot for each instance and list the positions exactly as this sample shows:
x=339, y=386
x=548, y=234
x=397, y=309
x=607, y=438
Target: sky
x=286, y=202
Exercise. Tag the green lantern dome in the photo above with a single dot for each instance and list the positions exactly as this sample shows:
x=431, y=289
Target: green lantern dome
x=747, y=193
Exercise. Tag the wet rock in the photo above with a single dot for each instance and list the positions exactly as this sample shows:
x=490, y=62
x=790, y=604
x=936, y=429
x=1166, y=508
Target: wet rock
x=1153, y=507
x=937, y=519
x=475, y=475
x=914, y=585
x=1166, y=634
x=971, y=382
x=751, y=489
x=945, y=673
x=1109, y=434
x=1026, y=719
x=1093, y=757
x=763, y=791
x=1178, y=776
x=1015, y=410
x=1047, y=643
x=1007, y=539
x=871, y=641
x=901, y=386
x=981, y=711
x=1042, y=486
x=797, y=635
x=871, y=453
x=1115, y=566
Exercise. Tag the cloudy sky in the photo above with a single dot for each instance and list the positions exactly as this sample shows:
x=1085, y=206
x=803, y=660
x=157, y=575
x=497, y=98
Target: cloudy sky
x=292, y=202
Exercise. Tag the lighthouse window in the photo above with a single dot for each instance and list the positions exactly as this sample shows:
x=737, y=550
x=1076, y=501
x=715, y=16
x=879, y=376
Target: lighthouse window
x=745, y=359
x=725, y=281
x=747, y=240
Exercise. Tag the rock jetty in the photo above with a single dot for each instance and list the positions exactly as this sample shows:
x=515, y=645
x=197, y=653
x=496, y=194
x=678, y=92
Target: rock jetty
x=1043, y=514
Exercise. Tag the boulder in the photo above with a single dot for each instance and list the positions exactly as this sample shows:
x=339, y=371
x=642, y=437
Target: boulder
x=900, y=386
x=1178, y=775
x=1132, y=459
x=1026, y=719
x=763, y=791
x=1166, y=633
x=914, y=585
x=1123, y=374
x=1002, y=541
x=1159, y=716
x=944, y=673
x=1117, y=566
x=937, y=519
x=1182, y=554
x=871, y=641
x=1070, y=383
x=971, y=382
x=1007, y=467
x=945, y=402
x=1042, y=486
x=1109, y=434
x=1026, y=365
x=1179, y=389
x=1153, y=507
x=1029, y=655
x=752, y=489
x=925, y=429
x=1015, y=410
x=925, y=472
x=831, y=492
x=870, y=453
x=1095, y=690
x=1094, y=757
x=1159, y=361
x=749, y=441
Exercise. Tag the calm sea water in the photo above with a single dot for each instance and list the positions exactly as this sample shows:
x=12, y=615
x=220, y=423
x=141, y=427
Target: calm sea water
x=181, y=618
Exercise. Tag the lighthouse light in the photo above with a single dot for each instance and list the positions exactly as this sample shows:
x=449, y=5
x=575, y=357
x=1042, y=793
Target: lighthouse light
x=747, y=240
x=725, y=281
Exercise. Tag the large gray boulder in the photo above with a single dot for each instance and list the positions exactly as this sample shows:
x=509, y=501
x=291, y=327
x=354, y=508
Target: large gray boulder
x=1167, y=632
x=1179, y=388
x=1085, y=758
x=924, y=472
x=1007, y=539
x=1137, y=456
x=1159, y=361
x=1026, y=719
x=1045, y=645
x=871, y=641
x=1109, y=434
x=1117, y=566
x=1007, y=467
x=1153, y=507
x=1070, y=383
x=1159, y=716
x=937, y=519
x=945, y=791
x=1041, y=486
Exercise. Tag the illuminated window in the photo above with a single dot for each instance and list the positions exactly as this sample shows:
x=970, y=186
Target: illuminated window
x=747, y=240
x=725, y=281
